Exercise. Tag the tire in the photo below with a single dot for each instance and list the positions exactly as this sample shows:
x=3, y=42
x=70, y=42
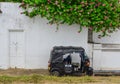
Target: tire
x=89, y=72
x=55, y=73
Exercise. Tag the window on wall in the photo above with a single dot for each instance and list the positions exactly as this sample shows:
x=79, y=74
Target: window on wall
x=0, y=11
x=90, y=36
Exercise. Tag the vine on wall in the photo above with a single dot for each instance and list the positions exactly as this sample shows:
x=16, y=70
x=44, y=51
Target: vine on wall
x=97, y=15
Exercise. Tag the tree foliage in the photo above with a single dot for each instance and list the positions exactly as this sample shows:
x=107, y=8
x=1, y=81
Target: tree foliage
x=97, y=15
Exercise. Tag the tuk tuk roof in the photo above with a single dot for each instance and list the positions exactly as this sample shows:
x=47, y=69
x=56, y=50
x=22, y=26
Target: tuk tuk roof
x=68, y=48
x=59, y=51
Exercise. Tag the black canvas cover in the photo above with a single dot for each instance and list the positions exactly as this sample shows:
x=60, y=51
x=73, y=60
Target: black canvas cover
x=59, y=51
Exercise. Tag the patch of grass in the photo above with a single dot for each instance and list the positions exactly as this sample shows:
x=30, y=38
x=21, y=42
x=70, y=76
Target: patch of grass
x=52, y=79
x=41, y=78
x=7, y=79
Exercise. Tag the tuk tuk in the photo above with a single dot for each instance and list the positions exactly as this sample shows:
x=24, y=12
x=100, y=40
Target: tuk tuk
x=69, y=60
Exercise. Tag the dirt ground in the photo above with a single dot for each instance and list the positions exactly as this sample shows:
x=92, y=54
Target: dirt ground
x=19, y=72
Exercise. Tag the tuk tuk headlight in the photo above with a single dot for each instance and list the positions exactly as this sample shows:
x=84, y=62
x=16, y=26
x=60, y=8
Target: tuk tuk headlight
x=87, y=63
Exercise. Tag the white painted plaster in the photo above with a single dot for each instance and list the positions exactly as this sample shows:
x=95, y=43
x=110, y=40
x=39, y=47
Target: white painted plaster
x=40, y=37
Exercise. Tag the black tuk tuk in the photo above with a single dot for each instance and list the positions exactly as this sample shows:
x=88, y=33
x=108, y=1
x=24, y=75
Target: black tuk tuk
x=69, y=60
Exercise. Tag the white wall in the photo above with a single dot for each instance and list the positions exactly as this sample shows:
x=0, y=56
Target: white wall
x=112, y=39
x=106, y=57
x=107, y=54
x=40, y=37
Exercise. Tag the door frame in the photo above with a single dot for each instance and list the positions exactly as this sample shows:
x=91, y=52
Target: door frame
x=15, y=30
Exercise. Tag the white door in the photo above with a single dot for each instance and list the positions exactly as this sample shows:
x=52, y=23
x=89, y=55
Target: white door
x=17, y=49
